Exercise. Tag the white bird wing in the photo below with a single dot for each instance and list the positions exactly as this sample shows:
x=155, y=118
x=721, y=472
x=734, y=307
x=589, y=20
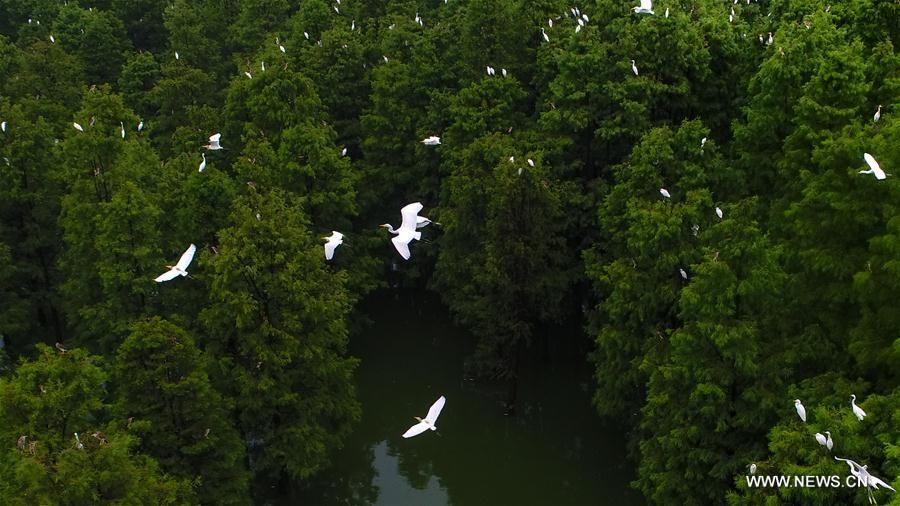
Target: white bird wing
x=647, y=4
x=410, y=214
x=329, y=249
x=402, y=247
x=435, y=410
x=416, y=429
x=186, y=258
x=871, y=161
x=214, y=139
x=876, y=482
x=166, y=276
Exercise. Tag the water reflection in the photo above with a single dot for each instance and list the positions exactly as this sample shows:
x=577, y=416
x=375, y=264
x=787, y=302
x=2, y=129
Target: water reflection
x=554, y=451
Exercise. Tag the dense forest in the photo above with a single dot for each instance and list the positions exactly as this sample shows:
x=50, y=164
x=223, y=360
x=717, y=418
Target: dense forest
x=686, y=181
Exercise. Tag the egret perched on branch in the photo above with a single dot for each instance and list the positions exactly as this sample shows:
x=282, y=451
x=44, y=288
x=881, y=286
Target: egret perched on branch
x=214, y=142
x=665, y=193
x=428, y=422
x=634, y=67
x=877, y=115
x=719, y=213
x=3, y=126
x=122, y=125
x=140, y=126
x=752, y=468
x=179, y=269
x=827, y=443
x=334, y=240
x=78, y=127
x=646, y=7
x=801, y=411
x=874, y=168
x=407, y=231
x=431, y=141
x=544, y=34
x=858, y=411
x=203, y=163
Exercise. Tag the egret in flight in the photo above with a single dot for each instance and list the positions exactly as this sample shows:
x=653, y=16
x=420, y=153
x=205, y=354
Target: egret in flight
x=179, y=269
x=214, y=142
x=334, y=240
x=428, y=422
x=801, y=411
x=203, y=163
x=865, y=478
x=874, y=168
x=407, y=231
x=431, y=141
x=858, y=411
x=646, y=7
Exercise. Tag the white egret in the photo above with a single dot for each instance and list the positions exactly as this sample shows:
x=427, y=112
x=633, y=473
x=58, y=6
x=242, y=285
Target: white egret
x=3, y=127
x=334, y=240
x=431, y=141
x=550, y=22
x=530, y=162
x=752, y=468
x=263, y=66
x=281, y=48
x=141, y=125
x=122, y=126
x=801, y=411
x=306, y=34
x=719, y=213
x=665, y=193
x=407, y=231
x=177, y=57
x=684, y=275
x=667, y=13
x=249, y=76
x=214, y=142
x=864, y=477
x=344, y=152
x=544, y=34
x=634, y=67
x=877, y=115
x=874, y=168
x=646, y=7
x=858, y=411
x=770, y=40
x=429, y=421
x=490, y=70
x=577, y=28
x=585, y=18
x=702, y=143
x=203, y=163
x=829, y=443
x=503, y=72
x=78, y=443
x=78, y=127
x=820, y=438
x=179, y=269
x=52, y=40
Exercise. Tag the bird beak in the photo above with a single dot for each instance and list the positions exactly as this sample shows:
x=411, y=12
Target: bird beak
x=383, y=226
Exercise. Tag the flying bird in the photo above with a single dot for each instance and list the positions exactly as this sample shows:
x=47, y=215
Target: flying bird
x=431, y=141
x=179, y=269
x=801, y=411
x=203, y=163
x=407, y=231
x=858, y=411
x=874, y=168
x=646, y=7
x=334, y=240
x=865, y=478
x=429, y=421
x=214, y=142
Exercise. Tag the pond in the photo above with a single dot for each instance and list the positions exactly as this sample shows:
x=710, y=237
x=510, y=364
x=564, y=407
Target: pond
x=554, y=450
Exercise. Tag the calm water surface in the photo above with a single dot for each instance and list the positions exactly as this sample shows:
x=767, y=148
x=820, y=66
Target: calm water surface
x=554, y=451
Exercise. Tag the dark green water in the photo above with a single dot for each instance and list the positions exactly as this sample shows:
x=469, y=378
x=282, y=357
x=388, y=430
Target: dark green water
x=554, y=451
